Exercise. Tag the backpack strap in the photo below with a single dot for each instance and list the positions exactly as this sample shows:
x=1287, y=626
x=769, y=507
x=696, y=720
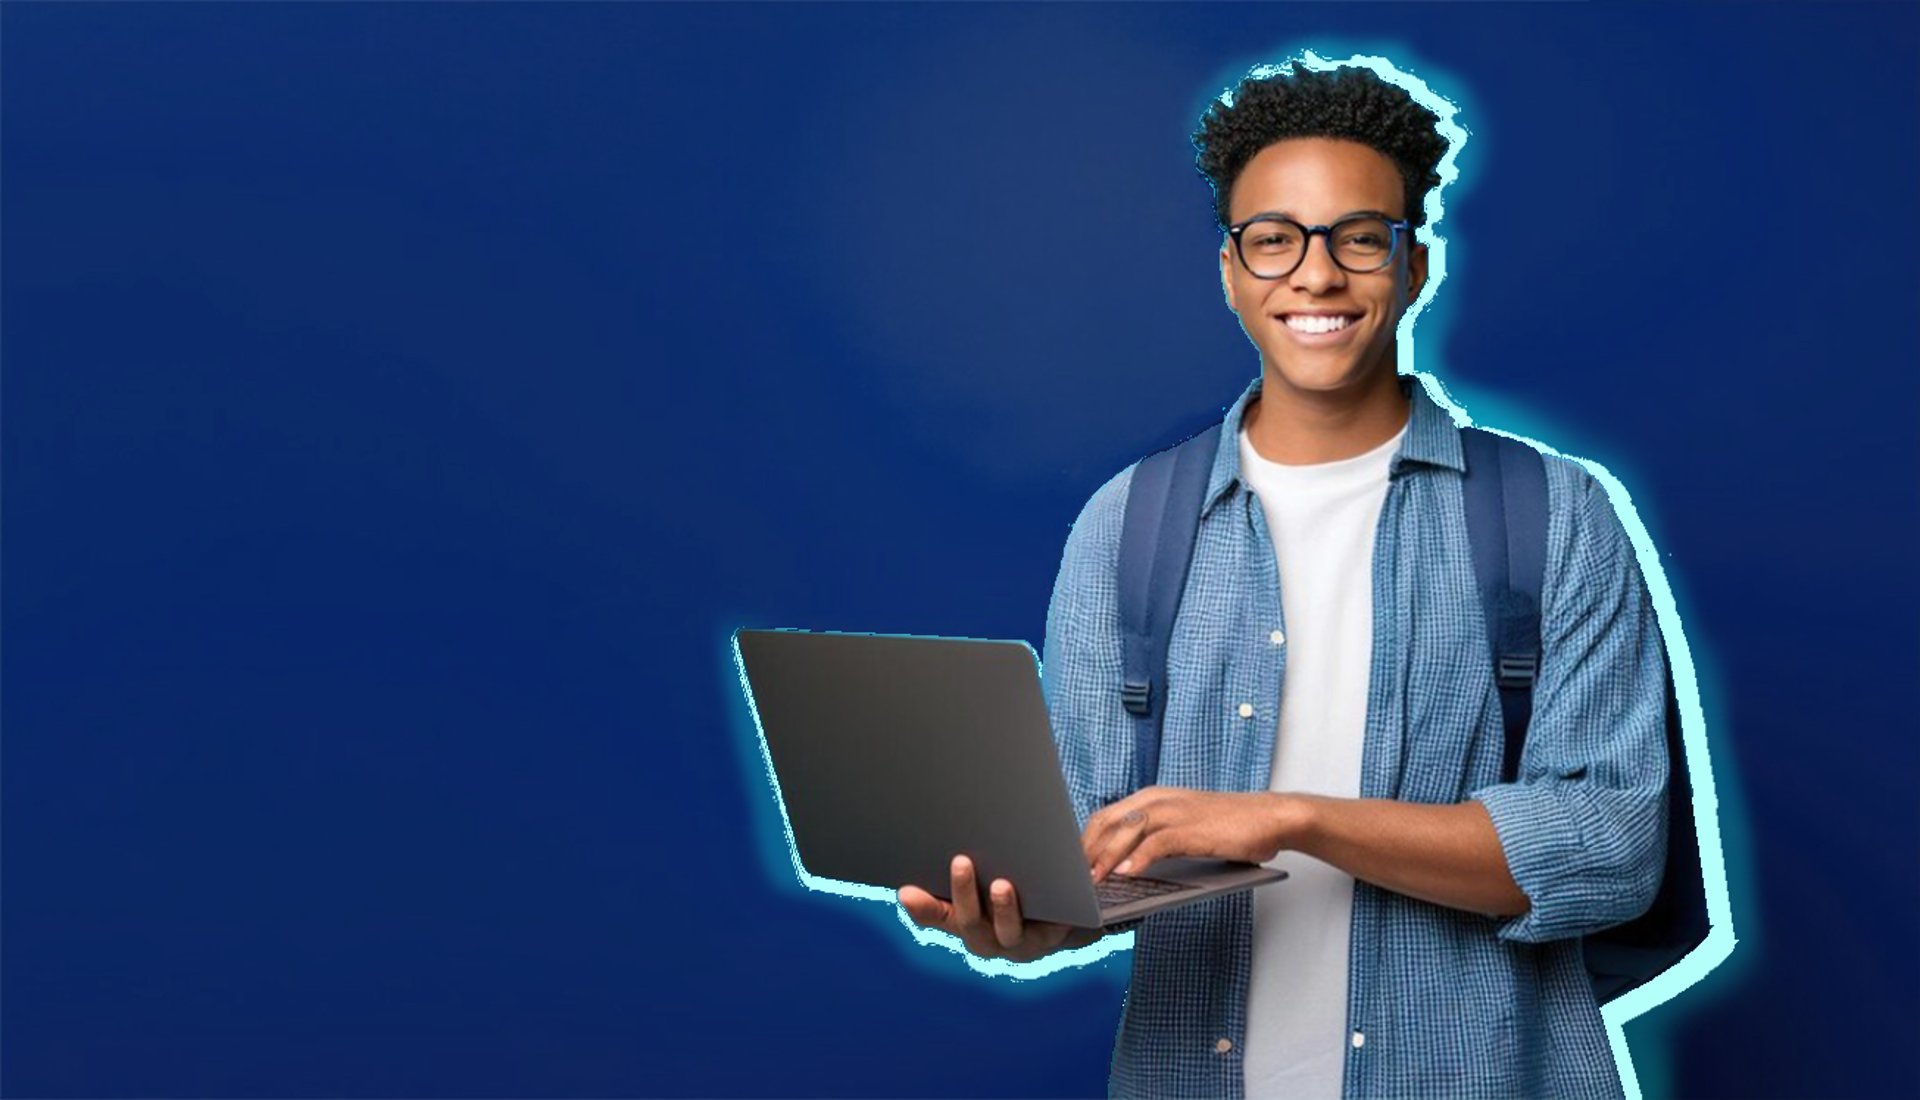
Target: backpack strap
x=1156, y=548
x=1505, y=490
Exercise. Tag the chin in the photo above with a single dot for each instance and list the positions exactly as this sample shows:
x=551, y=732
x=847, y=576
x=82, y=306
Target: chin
x=1333, y=370
x=1327, y=377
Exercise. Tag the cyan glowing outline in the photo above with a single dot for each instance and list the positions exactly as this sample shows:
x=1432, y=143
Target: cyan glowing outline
x=1720, y=939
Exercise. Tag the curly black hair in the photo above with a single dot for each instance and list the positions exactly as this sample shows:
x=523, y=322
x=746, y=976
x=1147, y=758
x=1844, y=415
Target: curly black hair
x=1351, y=102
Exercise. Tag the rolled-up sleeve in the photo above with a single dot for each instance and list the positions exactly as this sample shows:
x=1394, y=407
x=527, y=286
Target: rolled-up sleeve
x=1082, y=659
x=1583, y=826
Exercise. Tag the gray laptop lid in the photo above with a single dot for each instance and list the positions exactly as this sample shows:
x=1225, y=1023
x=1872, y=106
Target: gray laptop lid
x=893, y=753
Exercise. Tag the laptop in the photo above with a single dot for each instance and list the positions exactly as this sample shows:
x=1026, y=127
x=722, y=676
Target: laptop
x=894, y=753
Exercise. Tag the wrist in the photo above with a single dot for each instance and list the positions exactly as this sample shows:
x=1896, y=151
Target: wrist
x=1292, y=821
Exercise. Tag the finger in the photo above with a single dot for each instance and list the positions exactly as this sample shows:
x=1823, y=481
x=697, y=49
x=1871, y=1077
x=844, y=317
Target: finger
x=1101, y=824
x=1008, y=928
x=966, y=902
x=926, y=910
x=1131, y=832
x=1123, y=814
x=1143, y=856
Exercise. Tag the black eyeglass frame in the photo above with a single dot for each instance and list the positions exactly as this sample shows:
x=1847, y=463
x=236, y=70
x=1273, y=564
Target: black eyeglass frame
x=1308, y=232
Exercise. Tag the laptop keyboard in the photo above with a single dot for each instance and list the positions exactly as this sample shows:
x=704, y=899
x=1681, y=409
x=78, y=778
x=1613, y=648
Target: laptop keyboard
x=1121, y=889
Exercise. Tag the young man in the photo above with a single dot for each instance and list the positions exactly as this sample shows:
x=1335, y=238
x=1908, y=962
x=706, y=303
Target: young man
x=1331, y=706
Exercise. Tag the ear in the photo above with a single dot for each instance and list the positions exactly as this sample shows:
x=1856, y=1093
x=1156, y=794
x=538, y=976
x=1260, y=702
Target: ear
x=1416, y=271
x=1226, y=276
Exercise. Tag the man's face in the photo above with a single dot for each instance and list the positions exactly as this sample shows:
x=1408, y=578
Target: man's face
x=1318, y=181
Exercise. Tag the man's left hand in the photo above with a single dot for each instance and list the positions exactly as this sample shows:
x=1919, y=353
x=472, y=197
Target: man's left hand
x=1172, y=822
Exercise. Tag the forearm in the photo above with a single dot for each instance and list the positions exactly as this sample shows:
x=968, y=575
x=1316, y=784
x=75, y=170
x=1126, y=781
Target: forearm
x=1445, y=854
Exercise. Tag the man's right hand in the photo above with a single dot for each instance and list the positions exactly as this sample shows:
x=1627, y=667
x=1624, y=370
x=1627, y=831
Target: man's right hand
x=998, y=934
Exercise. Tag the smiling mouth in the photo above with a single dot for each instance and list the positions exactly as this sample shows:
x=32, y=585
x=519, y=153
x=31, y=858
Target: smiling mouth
x=1316, y=324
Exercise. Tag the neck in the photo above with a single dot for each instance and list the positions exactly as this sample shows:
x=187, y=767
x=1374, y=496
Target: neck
x=1299, y=428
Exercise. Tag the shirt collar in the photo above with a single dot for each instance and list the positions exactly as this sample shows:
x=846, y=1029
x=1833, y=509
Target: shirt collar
x=1431, y=439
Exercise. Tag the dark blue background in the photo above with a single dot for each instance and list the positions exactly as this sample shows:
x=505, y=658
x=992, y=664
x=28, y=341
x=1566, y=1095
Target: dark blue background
x=403, y=403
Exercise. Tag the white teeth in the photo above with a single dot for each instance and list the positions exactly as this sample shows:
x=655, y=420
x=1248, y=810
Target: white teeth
x=1300, y=322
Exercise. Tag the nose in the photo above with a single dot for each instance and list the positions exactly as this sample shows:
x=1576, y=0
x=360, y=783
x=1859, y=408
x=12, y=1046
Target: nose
x=1317, y=272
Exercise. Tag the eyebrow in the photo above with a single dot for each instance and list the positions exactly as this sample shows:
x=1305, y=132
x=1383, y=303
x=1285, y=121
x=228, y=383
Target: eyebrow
x=1290, y=216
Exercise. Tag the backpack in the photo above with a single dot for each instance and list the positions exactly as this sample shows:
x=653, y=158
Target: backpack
x=1505, y=489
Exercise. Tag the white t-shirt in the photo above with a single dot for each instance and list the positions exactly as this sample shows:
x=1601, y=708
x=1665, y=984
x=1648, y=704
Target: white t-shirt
x=1322, y=519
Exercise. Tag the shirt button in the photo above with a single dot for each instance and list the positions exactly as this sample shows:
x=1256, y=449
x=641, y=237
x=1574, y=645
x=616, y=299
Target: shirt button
x=1359, y=1040
x=1277, y=638
x=1246, y=710
x=1223, y=1046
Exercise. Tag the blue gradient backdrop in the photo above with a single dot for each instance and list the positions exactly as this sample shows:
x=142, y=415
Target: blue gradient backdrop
x=403, y=402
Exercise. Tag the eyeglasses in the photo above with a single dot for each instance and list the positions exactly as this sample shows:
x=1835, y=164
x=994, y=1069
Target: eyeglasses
x=1272, y=247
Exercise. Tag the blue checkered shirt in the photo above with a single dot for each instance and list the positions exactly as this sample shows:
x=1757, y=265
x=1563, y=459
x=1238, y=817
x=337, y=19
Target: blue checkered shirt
x=1441, y=1002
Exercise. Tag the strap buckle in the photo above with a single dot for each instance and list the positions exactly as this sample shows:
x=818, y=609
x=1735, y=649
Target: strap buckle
x=1137, y=697
x=1517, y=670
